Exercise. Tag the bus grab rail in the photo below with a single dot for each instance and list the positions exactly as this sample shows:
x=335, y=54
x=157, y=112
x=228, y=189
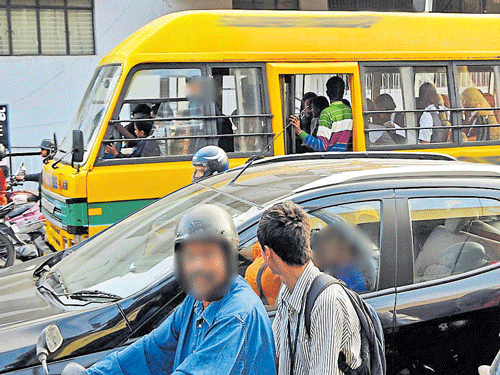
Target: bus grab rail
x=211, y=136
x=266, y=115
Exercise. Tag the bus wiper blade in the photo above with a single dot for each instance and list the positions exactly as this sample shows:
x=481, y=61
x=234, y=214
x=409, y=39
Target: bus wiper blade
x=85, y=295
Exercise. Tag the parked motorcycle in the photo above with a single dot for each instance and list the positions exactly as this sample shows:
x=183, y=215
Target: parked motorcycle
x=22, y=223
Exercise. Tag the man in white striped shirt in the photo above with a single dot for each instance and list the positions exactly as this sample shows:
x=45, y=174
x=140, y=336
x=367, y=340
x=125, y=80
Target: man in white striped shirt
x=284, y=236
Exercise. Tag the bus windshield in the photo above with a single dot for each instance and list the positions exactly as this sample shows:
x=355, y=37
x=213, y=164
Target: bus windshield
x=92, y=109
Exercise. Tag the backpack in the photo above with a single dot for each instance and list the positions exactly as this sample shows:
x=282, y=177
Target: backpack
x=372, y=337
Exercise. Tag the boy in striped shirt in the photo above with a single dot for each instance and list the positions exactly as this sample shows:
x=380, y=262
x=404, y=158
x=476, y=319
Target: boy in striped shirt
x=335, y=122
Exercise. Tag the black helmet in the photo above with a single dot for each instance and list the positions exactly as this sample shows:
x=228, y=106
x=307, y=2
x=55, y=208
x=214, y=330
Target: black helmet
x=48, y=145
x=212, y=157
x=208, y=222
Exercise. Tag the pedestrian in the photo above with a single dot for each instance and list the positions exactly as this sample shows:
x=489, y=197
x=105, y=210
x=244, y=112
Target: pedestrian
x=284, y=235
x=221, y=327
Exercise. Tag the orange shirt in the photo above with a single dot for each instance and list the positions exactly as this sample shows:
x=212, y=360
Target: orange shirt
x=270, y=282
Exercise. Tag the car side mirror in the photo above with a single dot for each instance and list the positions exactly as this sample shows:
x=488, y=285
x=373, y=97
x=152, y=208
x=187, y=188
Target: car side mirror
x=49, y=341
x=78, y=148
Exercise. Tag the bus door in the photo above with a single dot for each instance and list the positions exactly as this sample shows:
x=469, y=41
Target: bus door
x=290, y=83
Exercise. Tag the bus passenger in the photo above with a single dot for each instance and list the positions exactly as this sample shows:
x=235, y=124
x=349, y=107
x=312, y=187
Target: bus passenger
x=384, y=102
x=144, y=148
x=335, y=122
x=305, y=120
x=472, y=97
x=318, y=104
x=141, y=111
x=431, y=100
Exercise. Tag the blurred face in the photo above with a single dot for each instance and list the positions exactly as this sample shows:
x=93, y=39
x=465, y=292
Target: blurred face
x=44, y=153
x=308, y=111
x=204, y=268
x=315, y=111
x=199, y=171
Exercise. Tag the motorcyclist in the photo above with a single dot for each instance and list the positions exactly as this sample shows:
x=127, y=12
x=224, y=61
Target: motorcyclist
x=47, y=148
x=209, y=160
x=221, y=327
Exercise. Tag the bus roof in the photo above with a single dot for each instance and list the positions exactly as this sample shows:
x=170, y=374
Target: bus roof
x=232, y=35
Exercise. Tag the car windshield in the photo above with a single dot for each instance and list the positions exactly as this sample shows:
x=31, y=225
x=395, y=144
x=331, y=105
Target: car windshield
x=91, y=112
x=138, y=250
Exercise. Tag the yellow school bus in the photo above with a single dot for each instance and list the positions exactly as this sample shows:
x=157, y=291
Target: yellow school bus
x=413, y=82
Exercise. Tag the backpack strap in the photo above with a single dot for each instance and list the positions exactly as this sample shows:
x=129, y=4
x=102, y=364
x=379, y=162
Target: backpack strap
x=258, y=280
x=319, y=284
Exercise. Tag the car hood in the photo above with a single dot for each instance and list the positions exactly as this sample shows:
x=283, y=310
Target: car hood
x=21, y=301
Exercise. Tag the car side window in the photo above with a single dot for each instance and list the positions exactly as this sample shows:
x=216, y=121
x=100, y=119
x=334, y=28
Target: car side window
x=345, y=240
x=453, y=235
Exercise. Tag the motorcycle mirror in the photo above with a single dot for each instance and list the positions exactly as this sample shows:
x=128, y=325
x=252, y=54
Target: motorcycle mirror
x=78, y=148
x=55, y=143
x=74, y=368
x=48, y=342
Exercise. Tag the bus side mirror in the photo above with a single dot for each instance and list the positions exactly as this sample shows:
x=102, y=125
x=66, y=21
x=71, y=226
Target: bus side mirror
x=78, y=148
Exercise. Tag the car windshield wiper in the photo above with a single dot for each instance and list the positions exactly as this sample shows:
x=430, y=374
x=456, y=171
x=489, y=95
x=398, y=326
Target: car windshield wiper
x=229, y=195
x=86, y=295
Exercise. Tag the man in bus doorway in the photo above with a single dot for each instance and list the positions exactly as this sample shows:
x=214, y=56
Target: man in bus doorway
x=335, y=122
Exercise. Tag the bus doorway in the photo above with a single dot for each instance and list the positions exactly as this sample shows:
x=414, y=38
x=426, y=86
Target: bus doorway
x=304, y=94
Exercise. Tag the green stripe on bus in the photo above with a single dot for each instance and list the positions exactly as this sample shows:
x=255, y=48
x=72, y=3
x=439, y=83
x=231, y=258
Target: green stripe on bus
x=115, y=211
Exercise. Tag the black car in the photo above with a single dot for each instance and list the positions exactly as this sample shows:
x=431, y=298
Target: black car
x=434, y=278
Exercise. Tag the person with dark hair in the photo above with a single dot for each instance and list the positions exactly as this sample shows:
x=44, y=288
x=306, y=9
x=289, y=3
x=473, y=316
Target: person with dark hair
x=386, y=120
x=305, y=119
x=284, y=235
x=318, y=104
x=141, y=109
x=144, y=148
x=432, y=101
x=221, y=327
x=335, y=123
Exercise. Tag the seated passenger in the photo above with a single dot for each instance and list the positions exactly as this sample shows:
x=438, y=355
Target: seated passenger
x=318, y=104
x=263, y=282
x=335, y=122
x=144, y=148
x=336, y=256
x=141, y=111
x=384, y=102
x=431, y=100
x=472, y=97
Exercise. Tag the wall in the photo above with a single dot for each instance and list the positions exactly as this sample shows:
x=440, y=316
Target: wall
x=43, y=92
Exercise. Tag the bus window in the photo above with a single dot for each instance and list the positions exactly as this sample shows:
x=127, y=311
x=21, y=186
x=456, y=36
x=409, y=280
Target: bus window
x=385, y=99
x=406, y=106
x=239, y=95
x=179, y=127
x=478, y=92
x=431, y=96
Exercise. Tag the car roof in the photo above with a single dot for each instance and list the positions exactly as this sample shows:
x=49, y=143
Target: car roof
x=280, y=176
